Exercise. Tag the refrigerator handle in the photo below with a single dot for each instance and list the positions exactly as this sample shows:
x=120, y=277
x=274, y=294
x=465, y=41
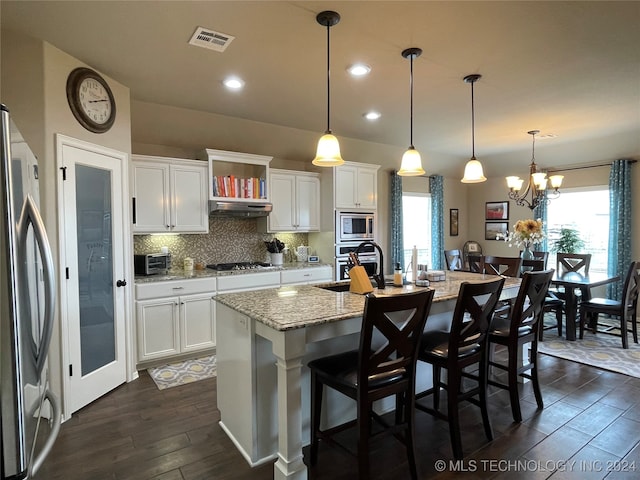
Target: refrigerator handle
x=30, y=215
x=56, y=416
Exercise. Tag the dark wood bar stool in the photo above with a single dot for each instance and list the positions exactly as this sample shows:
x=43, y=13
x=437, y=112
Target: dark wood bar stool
x=507, y=266
x=520, y=328
x=626, y=310
x=379, y=369
x=464, y=346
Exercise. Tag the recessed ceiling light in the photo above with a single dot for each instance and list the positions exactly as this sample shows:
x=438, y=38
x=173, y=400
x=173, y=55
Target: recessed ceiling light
x=359, y=69
x=372, y=115
x=233, y=83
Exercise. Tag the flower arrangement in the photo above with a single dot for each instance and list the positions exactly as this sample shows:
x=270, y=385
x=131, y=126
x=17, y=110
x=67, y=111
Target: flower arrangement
x=525, y=233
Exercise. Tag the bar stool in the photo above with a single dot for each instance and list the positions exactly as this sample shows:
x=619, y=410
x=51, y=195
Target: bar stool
x=520, y=328
x=463, y=346
x=379, y=369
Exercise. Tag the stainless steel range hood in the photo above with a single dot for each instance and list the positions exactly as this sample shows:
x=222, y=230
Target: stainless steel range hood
x=239, y=209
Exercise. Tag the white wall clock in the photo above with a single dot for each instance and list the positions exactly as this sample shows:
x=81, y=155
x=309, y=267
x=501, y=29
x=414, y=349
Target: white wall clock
x=91, y=100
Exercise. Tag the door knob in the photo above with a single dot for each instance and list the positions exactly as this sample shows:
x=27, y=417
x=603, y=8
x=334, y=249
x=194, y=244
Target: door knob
x=121, y=283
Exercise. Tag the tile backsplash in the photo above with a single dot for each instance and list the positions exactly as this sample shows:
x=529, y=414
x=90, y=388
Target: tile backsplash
x=228, y=240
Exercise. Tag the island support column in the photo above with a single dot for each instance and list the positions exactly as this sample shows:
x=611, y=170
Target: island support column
x=289, y=347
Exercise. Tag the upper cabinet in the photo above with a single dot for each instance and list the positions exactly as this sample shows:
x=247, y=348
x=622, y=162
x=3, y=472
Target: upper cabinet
x=356, y=186
x=235, y=176
x=169, y=195
x=296, y=201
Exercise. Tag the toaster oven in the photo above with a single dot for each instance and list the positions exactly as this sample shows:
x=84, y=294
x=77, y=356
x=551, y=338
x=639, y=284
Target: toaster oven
x=151, y=263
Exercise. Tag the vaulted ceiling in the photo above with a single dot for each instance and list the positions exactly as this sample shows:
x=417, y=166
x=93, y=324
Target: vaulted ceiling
x=570, y=69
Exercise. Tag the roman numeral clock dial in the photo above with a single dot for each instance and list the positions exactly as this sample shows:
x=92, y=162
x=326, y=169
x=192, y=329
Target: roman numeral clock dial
x=91, y=100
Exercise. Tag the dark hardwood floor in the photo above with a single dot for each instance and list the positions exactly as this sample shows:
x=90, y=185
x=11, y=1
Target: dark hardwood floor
x=589, y=429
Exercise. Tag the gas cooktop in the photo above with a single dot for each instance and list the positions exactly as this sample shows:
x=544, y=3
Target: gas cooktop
x=238, y=266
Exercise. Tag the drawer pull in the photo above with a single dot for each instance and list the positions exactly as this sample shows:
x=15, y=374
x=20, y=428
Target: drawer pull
x=178, y=288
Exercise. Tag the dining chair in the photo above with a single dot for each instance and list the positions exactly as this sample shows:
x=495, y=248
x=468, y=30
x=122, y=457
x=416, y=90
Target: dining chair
x=566, y=263
x=625, y=310
x=551, y=303
x=506, y=266
x=573, y=262
x=539, y=255
x=476, y=263
x=520, y=328
x=453, y=259
x=383, y=366
x=465, y=345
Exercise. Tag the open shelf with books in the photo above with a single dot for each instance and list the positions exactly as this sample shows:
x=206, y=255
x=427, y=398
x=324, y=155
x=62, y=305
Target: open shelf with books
x=235, y=176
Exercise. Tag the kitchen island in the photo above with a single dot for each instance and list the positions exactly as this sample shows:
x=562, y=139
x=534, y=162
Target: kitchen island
x=265, y=340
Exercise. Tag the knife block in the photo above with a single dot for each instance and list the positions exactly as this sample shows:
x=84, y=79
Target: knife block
x=360, y=282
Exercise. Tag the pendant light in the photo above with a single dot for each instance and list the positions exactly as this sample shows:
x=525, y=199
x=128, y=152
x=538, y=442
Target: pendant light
x=411, y=165
x=473, y=170
x=328, y=152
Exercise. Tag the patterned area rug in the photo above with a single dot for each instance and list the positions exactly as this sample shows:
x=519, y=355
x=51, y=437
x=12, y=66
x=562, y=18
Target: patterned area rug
x=187, y=371
x=600, y=350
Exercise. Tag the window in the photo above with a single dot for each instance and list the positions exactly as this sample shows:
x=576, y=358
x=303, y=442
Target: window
x=416, y=222
x=587, y=211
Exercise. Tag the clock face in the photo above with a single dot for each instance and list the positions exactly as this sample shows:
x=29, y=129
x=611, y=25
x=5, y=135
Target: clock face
x=91, y=100
x=94, y=100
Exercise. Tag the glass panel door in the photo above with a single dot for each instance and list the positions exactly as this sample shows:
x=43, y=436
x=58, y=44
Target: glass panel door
x=95, y=267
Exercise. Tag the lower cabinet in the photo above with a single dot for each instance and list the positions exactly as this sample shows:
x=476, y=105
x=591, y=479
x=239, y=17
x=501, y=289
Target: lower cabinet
x=306, y=276
x=172, y=318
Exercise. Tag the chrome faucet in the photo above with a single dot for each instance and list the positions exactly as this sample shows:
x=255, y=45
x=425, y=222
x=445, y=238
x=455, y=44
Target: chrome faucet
x=379, y=277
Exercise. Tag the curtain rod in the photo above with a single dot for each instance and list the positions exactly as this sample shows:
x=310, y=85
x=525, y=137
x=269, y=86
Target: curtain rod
x=552, y=170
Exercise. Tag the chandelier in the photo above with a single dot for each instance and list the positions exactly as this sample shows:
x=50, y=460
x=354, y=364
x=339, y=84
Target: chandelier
x=537, y=185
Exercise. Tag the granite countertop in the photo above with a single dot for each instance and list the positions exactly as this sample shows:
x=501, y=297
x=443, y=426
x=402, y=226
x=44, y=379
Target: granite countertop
x=180, y=274
x=291, y=307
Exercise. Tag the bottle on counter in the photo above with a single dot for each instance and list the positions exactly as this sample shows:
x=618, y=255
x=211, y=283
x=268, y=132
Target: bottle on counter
x=188, y=264
x=397, y=276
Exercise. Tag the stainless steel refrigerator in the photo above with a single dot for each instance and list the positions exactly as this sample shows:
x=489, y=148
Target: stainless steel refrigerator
x=30, y=413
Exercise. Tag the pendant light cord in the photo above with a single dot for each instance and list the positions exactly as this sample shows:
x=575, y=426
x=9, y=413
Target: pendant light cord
x=328, y=82
x=411, y=103
x=473, y=126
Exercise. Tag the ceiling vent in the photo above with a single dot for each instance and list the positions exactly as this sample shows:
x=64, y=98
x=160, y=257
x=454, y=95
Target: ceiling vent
x=207, y=38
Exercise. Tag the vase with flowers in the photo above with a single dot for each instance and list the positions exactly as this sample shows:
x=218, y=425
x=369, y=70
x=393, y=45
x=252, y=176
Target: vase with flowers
x=525, y=234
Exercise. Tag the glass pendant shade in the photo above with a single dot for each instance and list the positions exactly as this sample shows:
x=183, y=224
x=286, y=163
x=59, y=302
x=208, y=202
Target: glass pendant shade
x=411, y=165
x=473, y=172
x=556, y=181
x=328, y=152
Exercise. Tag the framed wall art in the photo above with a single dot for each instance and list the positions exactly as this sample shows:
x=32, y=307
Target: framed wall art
x=493, y=229
x=496, y=211
x=453, y=222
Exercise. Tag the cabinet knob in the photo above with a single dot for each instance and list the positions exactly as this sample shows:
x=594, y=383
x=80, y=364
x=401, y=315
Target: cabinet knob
x=168, y=227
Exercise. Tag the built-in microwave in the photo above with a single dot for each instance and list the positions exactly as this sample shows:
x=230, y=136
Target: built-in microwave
x=354, y=226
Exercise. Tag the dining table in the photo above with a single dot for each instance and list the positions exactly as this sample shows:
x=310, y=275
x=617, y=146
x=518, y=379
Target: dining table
x=574, y=282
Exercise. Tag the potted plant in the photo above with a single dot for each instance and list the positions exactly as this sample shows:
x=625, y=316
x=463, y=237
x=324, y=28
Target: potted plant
x=569, y=241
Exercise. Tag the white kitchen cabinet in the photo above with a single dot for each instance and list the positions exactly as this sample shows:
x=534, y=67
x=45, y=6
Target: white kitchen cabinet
x=296, y=201
x=248, y=281
x=175, y=317
x=356, y=186
x=306, y=276
x=169, y=195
